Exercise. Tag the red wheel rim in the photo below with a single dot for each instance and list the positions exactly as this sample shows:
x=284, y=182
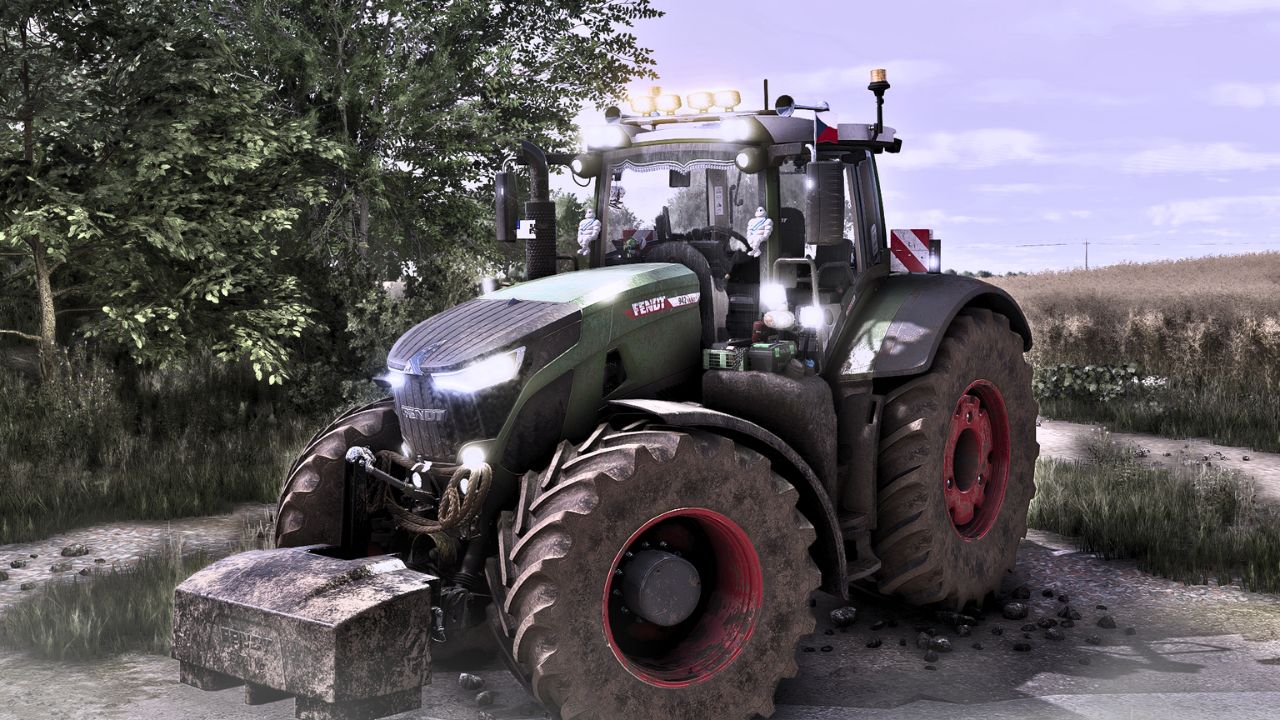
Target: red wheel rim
x=975, y=468
x=732, y=595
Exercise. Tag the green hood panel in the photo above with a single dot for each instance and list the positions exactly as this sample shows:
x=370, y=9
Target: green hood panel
x=599, y=286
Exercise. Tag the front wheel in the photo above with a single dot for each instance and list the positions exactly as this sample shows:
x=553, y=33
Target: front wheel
x=956, y=468
x=655, y=573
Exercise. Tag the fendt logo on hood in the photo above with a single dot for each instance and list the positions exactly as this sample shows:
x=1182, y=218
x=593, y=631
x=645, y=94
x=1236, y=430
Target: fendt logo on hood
x=427, y=414
x=660, y=303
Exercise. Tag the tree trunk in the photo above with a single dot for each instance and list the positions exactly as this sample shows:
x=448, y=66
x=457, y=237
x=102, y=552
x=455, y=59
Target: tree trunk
x=49, y=364
x=44, y=287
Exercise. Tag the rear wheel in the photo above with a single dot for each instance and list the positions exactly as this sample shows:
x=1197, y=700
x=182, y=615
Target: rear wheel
x=654, y=573
x=956, y=467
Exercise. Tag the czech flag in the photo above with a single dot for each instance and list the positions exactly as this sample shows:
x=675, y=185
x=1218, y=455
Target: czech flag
x=826, y=133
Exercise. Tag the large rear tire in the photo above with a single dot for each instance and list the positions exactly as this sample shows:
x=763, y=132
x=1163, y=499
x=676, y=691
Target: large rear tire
x=581, y=526
x=956, y=467
x=310, y=507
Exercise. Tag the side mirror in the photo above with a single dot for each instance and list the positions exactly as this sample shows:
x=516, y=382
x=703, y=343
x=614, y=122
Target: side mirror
x=824, y=211
x=678, y=179
x=505, y=206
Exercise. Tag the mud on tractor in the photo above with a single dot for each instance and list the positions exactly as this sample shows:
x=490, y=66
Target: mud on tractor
x=628, y=479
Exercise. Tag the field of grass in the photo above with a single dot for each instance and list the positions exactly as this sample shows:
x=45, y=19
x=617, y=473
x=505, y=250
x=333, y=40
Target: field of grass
x=1208, y=329
x=121, y=610
x=82, y=451
x=1193, y=524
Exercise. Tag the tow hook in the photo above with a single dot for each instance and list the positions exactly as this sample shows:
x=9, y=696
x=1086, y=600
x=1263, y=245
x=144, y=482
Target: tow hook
x=437, y=624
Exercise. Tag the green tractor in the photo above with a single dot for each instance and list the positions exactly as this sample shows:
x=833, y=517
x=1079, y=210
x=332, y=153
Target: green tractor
x=630, y=478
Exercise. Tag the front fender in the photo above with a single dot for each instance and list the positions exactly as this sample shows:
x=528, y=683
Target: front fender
x=896, y=331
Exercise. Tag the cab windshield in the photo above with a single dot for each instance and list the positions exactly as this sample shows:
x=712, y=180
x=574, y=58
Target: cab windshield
x=663, y=194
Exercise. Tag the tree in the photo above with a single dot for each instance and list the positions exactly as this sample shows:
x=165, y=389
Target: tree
x=156, y=177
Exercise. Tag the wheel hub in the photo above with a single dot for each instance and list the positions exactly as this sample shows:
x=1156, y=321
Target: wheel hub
x=661, y=587
x=976, y=460
x=682, y=597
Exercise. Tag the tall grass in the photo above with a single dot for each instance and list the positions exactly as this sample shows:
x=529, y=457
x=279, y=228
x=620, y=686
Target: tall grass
x=1193, y=524
x=1211, y=326
x=93, y=447
x=121, y=610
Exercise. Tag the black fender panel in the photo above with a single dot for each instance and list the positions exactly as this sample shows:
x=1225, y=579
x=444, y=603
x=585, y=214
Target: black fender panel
x=897, y=332
x=815, y=504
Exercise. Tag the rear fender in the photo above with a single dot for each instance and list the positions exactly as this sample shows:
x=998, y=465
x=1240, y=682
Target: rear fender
x=815, y=503
x=896, y=330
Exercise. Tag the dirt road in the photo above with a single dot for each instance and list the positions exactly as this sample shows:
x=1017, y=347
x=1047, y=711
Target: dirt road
x=1195, y=652
x=1068, y=441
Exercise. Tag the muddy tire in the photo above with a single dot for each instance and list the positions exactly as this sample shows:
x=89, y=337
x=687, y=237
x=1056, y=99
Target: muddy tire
x=559, y=599
x=957, y=460
x=310, y=507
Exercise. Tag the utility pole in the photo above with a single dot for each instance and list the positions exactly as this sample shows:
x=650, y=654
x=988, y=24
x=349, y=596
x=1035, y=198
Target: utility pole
x=1086, y=254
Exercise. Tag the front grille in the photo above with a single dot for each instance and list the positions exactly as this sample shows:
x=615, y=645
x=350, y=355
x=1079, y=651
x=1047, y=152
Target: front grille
x=437, y=423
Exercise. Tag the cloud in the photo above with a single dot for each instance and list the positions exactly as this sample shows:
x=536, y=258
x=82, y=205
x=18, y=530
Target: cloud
x=975, y=149
x=1011, y=188
x=1204, y=7
x=1208, y=158
x=1215, y=209
x=1059, y=215
x=1246, y=95
x=1029, y=91
x=936, y=218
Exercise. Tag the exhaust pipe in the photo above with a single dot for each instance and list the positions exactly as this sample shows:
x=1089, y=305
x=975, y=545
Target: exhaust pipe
x=539, y=252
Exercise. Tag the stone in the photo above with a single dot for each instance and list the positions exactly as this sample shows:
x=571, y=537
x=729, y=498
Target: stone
x=1054, y=634
x=1131, y=631
x=3, y=576
x=940, y=644
x=1063, y=597
x=923, y=640
x=1030, y=627
x=828, y=631
x=84, y=571
x=930, y=667
x=1046, y=622
x=964, y=631
x=1100, y=607
x=1022, y=647
x=1022, y=592
x=997, y=631
x=62, y=566
x=875, y=643
x=75, y=550
x=100, y=561
x=485, y=698
x=1068, y=623
x=1107, y=622
x=1094, y=639
x=977, y=646
x=33, y=556
x=15, y=564
x=931, y=656
x=844, y=617
x=810, y=649
x=1069, y=613
x=1014, y=610
x=1246, y=458
x=1048, y=592
x=826, y=648
x=27, y=586
x=877, y=625
x=470, y=682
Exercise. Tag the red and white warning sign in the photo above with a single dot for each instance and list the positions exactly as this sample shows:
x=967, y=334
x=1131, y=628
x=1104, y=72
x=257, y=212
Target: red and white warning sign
x=660, y=303
x=909, y=250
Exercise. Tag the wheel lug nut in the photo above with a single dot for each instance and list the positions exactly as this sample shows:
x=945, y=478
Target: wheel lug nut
x=625, y=610
x=662, y=544
x=627, y=555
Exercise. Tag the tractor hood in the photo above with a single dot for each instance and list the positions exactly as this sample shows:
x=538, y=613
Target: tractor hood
x=595, y=289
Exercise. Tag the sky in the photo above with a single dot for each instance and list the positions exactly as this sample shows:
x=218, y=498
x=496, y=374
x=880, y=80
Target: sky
x=1149, y=128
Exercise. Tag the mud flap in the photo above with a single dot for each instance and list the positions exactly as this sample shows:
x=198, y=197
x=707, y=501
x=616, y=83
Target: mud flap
x=348, y=638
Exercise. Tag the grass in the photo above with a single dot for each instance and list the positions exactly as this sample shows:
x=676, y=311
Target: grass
x=1194, y=525
x=118, y=611
x=83, y=450
x=1211, y=326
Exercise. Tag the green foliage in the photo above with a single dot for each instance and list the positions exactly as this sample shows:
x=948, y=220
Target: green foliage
x=1099, y=382
x=128, y=609
x=166, y=444
x=1196, y=525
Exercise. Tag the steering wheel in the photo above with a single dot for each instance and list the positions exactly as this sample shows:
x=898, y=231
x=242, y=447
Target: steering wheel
x=724, y=235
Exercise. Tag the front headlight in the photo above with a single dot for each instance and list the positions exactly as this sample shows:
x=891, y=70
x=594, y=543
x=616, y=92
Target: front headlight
x=493, y=370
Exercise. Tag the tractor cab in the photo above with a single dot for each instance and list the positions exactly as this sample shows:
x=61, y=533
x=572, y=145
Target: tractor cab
x=784, y=212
